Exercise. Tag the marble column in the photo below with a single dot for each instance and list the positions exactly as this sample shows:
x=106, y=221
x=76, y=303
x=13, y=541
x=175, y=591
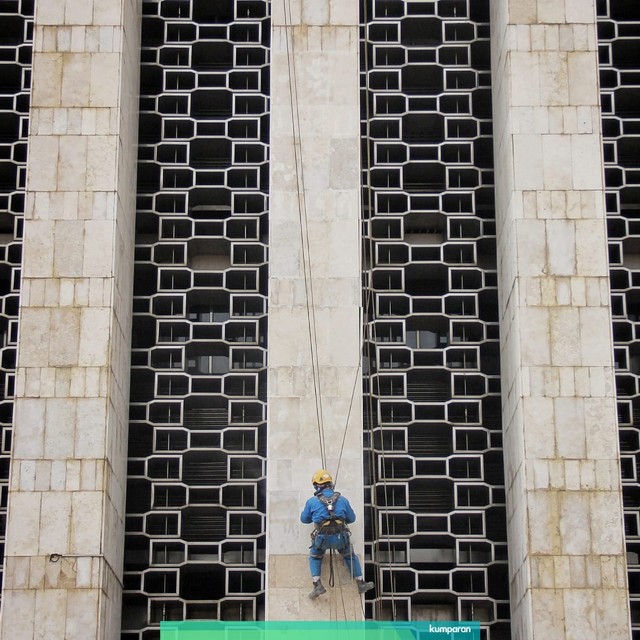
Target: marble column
x=564, y=500
x=65, y=529
x=314, y=291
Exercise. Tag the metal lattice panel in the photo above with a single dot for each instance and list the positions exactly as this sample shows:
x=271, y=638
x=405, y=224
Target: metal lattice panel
x=195, y=512
x=436, y=525
x=16, y=39
x=619, y=44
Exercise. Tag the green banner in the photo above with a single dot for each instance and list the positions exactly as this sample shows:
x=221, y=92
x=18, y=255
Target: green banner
x=369, y=630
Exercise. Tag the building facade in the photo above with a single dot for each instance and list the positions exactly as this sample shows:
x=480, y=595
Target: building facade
x=245, y=239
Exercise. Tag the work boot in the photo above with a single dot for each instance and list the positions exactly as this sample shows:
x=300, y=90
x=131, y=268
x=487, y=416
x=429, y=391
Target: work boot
x=318, y=590
x=363, y=586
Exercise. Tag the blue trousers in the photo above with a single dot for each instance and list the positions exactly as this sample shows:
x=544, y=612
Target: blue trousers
x=340, y=542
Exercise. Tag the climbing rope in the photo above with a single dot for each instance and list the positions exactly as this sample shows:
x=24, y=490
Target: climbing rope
x=367, y=326
x=304, y=226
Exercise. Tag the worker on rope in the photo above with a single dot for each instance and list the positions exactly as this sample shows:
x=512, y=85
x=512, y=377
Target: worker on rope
x=330, y=512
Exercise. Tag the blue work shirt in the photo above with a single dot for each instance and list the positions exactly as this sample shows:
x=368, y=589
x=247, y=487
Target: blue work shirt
x=316, y=512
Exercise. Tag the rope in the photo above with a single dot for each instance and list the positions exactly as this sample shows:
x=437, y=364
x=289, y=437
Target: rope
x=332, y=577
x=346, y=426
x=304, y=227
x=367, y=335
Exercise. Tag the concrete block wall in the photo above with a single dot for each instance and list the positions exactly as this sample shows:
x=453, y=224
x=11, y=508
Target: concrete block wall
x=314, y=137
x=66, y=501
x=565, y=527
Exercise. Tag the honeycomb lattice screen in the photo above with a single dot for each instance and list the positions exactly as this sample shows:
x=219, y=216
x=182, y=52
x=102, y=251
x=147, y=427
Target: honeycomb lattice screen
x=436, y=521
x=619, y=47
x=16, y=44
x=195, y=532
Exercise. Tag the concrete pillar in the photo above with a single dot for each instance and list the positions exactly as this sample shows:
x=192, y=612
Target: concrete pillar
x=314, y=138
x=65, y=530
x=564, y=500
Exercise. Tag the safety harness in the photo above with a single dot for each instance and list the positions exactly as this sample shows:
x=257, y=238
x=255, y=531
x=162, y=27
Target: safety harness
x=332, y=525
x=331, y=534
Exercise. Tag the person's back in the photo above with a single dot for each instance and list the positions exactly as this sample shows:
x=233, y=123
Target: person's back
x=327, y=503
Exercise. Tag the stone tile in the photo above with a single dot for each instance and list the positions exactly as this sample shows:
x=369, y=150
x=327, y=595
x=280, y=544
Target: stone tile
x=91, y=417
x=101, y=163
x=566, y=41
x=574, y=511
x=594, y=337
x=568, y=413
x=18, y=614
x=54, y=514
x=586, y=173
x=612, y=607
x=343, y=13
x=547, y=612
x=537, y=37
x=94, y=327
x=38, y=250
x=578, y=571
x=588, y=474
x=561, y=571
x=544, y=531
x=84, y=573
x=557, y=164
x=59, y=433
x=30, y=427
x=50, y=612
x=104, y=77
x=75, y=80
x=522, y=11
x=580, y=614
x=583, y=78
x=27, y=475
x=98, y=251
x=37, y=571
x=67, y=246
x=553, y=71
x=532, y=259
x=107, y=12
x=546, y=571
x=551, y=11
x=606, y=532
x=536, y=324
x=42, y=171
x=78, y=13
x=58, y=475
x=578, y=11
x=557, y=479
x=561, y=247
x=528, y=161
x=564, y=340
x=551, y=38
x=284, y=604
x=42, y=481
x=23, y=526
x=83, y=609
x=86, y=522
x=65, y=325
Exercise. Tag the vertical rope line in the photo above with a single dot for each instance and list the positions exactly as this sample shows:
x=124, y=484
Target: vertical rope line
x=302, y=215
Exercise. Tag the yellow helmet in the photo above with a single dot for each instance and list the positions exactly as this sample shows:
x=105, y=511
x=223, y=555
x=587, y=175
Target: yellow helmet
x=322, y=476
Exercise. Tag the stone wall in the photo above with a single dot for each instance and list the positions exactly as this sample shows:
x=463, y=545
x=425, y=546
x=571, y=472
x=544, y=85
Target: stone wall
x=565, y=528
x=66, y=501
